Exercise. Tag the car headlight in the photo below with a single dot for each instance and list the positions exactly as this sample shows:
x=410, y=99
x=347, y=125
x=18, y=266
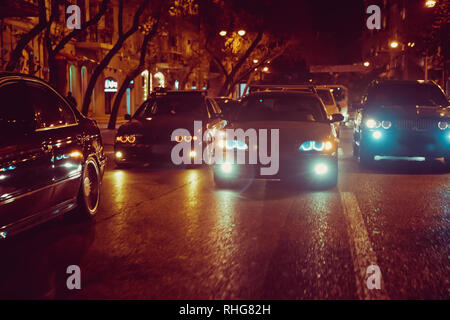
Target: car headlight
x=130, y=138
x=372, y=123
x=386, y=124
x=233, y=144
x=443, y=125
x=316, y=146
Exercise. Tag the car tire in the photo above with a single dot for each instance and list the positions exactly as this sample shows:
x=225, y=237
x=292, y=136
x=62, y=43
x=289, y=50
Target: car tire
x=447, y=161
x=355, y=150
x=89, y=193
x=366, y=159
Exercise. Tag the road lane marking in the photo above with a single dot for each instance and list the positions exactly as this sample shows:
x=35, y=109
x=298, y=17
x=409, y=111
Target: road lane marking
x=361, y=249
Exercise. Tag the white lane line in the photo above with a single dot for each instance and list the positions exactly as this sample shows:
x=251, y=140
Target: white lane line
x=361, y=249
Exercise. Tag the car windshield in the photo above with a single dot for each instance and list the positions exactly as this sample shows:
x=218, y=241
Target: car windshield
x=326, y=97
x=406, y=94
x=176, y=105
x=281, y=107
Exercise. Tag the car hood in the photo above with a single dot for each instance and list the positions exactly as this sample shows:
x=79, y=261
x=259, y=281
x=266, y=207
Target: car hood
x=290, y=132
x=409, y=112
x=162, y=125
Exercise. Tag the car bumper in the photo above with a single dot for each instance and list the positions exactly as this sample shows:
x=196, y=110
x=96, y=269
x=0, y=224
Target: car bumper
x=142, y=153
x=406, y=144
x=313, y=167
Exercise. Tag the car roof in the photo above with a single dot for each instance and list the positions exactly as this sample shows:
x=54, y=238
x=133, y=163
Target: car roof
x=21, y=76
x=283, y=92
x=404, y=82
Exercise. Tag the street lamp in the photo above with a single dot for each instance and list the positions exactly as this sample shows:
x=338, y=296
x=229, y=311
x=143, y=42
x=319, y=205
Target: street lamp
x=223, y=33
x=241, y=33
x=430, y=3
x=393, y=44
x=366, y=64
x=255, y=61
x=266, y=69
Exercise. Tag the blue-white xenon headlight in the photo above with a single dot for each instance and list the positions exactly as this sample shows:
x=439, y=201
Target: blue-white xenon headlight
x=236, y=144
x=316, y=146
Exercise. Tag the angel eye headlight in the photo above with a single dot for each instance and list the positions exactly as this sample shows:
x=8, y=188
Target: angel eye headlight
x=372, y=123
x=316, y=146
x=443, y=125
x=386, y=124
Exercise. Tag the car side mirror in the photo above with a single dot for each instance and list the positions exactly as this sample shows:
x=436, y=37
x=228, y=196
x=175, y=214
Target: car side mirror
x=127, y=117
x=337, y=117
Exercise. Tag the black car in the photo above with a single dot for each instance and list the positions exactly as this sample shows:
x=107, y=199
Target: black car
x=304, y=147
x=402, y=119
x=51, y=156
x=147, y=137
x=228, y=105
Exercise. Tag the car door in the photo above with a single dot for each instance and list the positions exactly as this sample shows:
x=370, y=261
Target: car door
x=26, y=183
x=58, y=126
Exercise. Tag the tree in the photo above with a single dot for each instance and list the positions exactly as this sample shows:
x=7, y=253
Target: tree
x=27, y=37
x=123, y=36
x=237, y=54
x=63, y=39
x=150, y=30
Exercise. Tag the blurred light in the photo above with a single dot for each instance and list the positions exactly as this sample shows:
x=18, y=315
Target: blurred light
x=442, y=125
x=377, y=158
x=223, y=33
x=265, y=69
x=371, y=124
x=226, y=167
x=119, y=155
x=255, y=60
x=3, y=234
x=366, y=63
x=320, y=168
x=393, y=44
x=430, y=3
x=192, y=154
x=376, y=135
x=316, y=145
x=386, y=124
x=148, y=118
x=241, y=33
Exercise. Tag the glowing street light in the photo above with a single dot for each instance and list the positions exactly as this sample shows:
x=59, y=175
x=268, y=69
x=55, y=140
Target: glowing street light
x=393, y=44
x=241, y=33
x=430, y=3
x=223, y=33
x=255, y=60
x=266, y=69
x=366, y=64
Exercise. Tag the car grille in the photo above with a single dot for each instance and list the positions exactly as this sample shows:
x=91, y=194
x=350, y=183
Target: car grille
x=417, y=124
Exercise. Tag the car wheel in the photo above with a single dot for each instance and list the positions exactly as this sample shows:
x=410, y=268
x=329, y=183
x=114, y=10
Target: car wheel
x=447, y=161
x=355, y=150
x=89, y=194
x=366, y=159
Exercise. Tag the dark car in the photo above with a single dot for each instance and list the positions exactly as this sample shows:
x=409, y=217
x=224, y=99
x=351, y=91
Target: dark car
x=51, y=156
x=228, y=105
x=306, y=148
x=402, y=119
x=147, y=137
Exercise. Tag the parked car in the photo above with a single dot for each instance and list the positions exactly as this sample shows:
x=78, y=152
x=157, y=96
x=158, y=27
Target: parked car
x=227, y=105
x=51, y=156
x=402, y=119
x=307, y=147
x=146, y=137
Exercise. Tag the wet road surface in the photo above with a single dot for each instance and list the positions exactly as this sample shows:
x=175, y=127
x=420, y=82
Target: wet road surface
x=166, y=233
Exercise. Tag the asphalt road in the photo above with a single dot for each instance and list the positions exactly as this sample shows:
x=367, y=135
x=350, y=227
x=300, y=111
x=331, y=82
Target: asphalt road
x=166, y=233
